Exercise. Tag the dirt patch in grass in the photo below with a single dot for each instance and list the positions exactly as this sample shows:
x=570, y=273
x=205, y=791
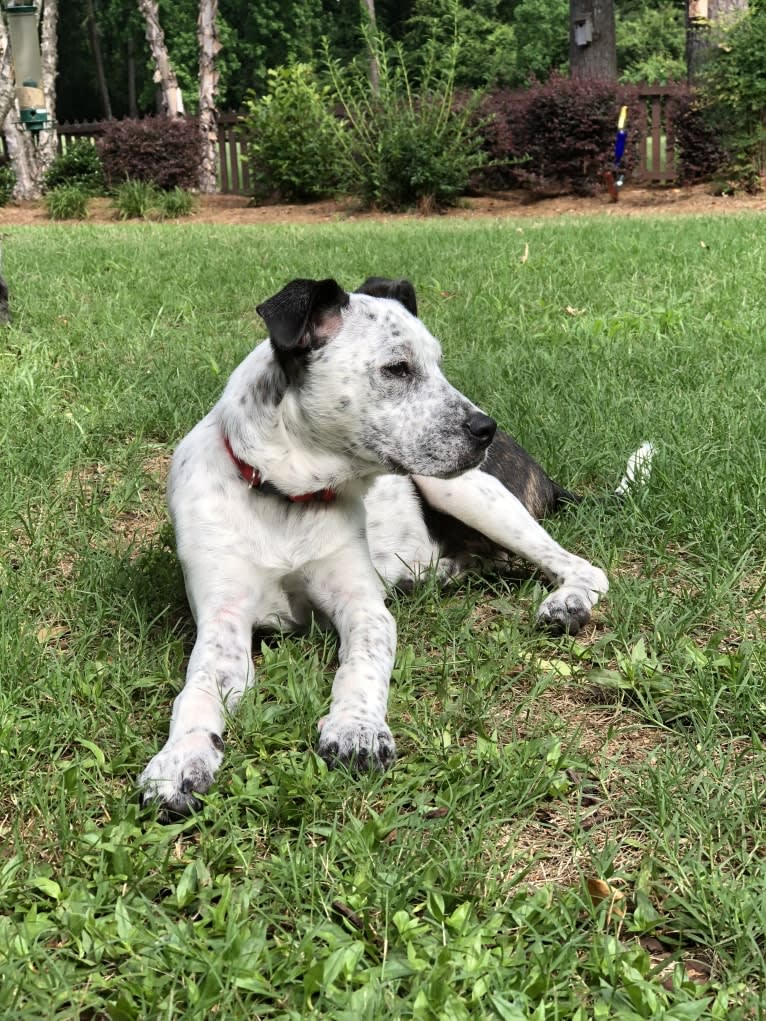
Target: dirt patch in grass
x=236, y=209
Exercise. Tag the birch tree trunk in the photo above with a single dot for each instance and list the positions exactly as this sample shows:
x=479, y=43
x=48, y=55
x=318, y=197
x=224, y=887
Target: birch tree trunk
x=47, y=148
x=6, y=72
x=373, y=28
x=209, y=46
x=31, y=155
x=164, y=75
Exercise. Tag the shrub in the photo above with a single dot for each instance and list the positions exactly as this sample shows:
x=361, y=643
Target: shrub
x=555, y=137
x=163, y=151
x=734, y=98
x=133, y=200
x=175, y=203
x=79, y=164
x=404, y=147
x=292, y=137
x=697, y=138
x=67, y=202
x=7, y=183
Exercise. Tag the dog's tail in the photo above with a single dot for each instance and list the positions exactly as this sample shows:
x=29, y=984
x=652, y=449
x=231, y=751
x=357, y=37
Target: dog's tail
x=637, y=470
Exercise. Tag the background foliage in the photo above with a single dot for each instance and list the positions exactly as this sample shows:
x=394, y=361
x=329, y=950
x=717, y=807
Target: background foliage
x=294, y=143
x=504, y=42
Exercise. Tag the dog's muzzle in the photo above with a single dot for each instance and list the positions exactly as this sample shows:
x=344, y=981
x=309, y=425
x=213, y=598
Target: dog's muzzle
x=481, y=428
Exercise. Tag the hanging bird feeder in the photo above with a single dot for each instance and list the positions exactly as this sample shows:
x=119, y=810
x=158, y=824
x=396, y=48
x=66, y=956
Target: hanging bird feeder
x=27, y=66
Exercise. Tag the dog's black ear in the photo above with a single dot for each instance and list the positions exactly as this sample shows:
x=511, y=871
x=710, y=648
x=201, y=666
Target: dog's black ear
x=382, y=287
x=301, y=314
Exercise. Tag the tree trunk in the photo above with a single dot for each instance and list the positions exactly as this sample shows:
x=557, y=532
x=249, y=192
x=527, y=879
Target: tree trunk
x=592, y=42
x=373, y=28
x=164, y=75
x=47, y=148
x=207, y=35
x=31, y=155
x=7, y=89
x=98, y=60
x=131, y=61
x=704, y=20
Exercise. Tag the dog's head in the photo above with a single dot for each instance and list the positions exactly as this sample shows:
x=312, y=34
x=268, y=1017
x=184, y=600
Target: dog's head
x=364, y=378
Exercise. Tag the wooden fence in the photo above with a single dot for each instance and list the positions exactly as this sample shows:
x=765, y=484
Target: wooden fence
x=650, y=117
x=656, y=145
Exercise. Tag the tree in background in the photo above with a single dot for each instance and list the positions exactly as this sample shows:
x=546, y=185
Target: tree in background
x=542, y=38
x=592, y=39
x=487, y=45
x=164, y=74
x=733, y=91
x=705, y=20
x=651, y=41
x=94, y=35
x=208, y=89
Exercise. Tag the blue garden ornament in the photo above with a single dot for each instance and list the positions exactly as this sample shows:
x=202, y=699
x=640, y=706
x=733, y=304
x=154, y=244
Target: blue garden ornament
x=616, y=178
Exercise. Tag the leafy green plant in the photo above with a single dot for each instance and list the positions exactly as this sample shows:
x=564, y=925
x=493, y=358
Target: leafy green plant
x=79, y=164
x=293, y=138
x=133, y=200
x=734, y=90
x=406, y=143
x=175, y=203
x=7, y=183
x=67, y=202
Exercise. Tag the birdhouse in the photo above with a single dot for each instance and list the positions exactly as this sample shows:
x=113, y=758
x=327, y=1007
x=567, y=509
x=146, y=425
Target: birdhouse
x=583, y=31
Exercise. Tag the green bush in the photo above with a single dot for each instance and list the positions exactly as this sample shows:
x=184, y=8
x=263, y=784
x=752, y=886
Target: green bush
x=406, y=146
x=734, y=91
x=292, y=137
x=133, y=200
x=79, y=164
x=175, y=203
x=7, y=183
x=67, y=202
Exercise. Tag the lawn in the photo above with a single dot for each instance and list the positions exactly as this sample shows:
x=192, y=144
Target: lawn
x=575, y=827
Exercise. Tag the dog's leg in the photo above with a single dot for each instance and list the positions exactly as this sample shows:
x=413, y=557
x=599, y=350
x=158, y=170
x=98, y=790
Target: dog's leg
x=482, y=502
x=220, y=670
x=355, y=732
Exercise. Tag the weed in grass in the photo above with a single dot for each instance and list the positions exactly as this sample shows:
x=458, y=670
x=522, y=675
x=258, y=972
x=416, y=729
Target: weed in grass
x=455, y=886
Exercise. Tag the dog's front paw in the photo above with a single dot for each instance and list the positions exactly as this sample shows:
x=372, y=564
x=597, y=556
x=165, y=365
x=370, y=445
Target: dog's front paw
x=184, y=768
x=564, y=612
x=359, y=745
x=567, y=610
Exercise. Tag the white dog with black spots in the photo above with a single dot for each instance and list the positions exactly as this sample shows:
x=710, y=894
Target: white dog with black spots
x=340, y=461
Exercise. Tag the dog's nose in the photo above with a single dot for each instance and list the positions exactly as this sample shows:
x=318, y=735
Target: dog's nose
x=481, y=427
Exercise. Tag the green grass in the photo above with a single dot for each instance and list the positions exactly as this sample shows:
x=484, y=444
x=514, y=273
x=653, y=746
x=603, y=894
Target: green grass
x=456, y=886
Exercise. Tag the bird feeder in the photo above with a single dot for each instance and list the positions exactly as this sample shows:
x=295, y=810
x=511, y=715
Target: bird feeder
x=27, y=66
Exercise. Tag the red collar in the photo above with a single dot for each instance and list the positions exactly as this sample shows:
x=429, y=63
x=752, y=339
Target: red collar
x=252, y=477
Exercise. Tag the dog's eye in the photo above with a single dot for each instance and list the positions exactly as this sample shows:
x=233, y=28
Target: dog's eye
x=399, y=369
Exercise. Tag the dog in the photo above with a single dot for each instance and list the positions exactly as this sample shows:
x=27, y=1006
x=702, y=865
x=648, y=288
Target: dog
x=338, y=462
